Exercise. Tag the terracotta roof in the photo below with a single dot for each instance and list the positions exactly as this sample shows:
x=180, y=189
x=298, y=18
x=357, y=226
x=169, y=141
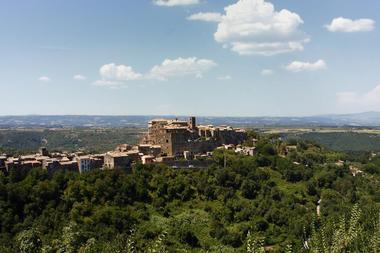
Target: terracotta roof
x=68, y=163
x=31, y=162
x=148, y=156
x=117, y=154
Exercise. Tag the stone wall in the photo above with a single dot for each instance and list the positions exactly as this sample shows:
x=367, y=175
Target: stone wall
x=175, y=137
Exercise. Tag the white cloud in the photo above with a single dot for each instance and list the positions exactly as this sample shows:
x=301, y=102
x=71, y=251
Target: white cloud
x=44, y=79
x=116, y=76
x=225, y=78
x=267, y=48
x=206, y=16
x=113, y=72
x=79, y=77
x=181, y=67
x=254, y=27
x=366, y=101
x=171, y=3
x=298, y=66
x=267, y=72
x=348, y=25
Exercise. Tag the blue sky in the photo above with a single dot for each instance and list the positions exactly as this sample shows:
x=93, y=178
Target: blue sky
x=189, y=57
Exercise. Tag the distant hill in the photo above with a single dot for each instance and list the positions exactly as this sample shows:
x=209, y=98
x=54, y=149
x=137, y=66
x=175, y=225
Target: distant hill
x=368, y=119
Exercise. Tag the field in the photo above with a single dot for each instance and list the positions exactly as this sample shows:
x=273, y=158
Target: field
x=339, y=139
x=66, y=139
x=100, y=139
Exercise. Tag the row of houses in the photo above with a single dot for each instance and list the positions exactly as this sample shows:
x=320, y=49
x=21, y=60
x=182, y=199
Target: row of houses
x=51, y=162
x=120, y=158
x=123, y=157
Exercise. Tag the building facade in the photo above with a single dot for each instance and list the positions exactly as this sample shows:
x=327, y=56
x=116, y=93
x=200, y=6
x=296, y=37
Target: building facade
x=175, y=136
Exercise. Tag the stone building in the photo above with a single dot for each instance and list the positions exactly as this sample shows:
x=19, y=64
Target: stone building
x=24, y=162
x=13, y=163
x=123, y=148
x=114, y=160
x=87, y=163
x=68, y=166
x=53, y=164
x=147, y=149
x=43, y=151
x=147, y=159
x=175, y=136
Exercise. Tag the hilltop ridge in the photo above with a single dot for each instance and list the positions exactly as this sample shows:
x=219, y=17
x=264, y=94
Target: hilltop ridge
x=368, y=119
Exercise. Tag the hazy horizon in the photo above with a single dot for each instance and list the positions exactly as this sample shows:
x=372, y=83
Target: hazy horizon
x=184, y=115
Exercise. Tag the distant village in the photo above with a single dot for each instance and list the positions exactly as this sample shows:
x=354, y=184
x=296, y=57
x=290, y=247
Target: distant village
x=179, y=144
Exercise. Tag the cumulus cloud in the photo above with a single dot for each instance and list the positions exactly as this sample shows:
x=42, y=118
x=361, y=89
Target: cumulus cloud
x=348, y=25
x=113, y=75
x=115, y=72
x=44, y=79
x=171, y=3
x=365, y=101
x=79, y=77
x=267, y=72
x=206, y=16
x=298, y=66
x=254, y=27
x=181, y=67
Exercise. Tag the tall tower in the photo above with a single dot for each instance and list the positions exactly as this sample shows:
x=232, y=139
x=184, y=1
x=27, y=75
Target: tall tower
x=192, y=123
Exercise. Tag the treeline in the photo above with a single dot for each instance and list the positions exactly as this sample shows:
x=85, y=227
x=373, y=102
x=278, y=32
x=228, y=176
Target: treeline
x=345, y=141
x=273, y=196
x=88, y=139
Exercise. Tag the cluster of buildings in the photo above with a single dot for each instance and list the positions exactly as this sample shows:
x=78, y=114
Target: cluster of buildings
x=173, y=142
x=177, y=138
x=51, y=161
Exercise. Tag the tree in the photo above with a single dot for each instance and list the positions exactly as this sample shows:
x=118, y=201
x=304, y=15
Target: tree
x=29, y=241
x=255, y=244
x=249, y=189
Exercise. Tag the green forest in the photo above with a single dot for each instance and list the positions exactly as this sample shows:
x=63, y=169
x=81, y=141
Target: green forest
x=264, y=203
x=92, y=140
x=344, y=141
x=99, y=140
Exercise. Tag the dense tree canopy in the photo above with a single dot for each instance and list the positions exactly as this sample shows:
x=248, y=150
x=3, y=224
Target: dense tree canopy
x=271, y=195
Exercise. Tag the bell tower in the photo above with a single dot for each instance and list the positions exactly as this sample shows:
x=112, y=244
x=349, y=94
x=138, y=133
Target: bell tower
x=192, y=123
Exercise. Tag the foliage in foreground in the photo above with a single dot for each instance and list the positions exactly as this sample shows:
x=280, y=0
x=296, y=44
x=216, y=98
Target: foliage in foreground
x=273, y=196
x=347, y=235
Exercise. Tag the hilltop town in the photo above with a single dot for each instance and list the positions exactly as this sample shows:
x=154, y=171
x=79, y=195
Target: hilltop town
x=172, y=142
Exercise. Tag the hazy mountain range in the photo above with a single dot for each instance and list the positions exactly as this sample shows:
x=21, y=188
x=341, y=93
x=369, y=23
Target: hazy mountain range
x=369, y=119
